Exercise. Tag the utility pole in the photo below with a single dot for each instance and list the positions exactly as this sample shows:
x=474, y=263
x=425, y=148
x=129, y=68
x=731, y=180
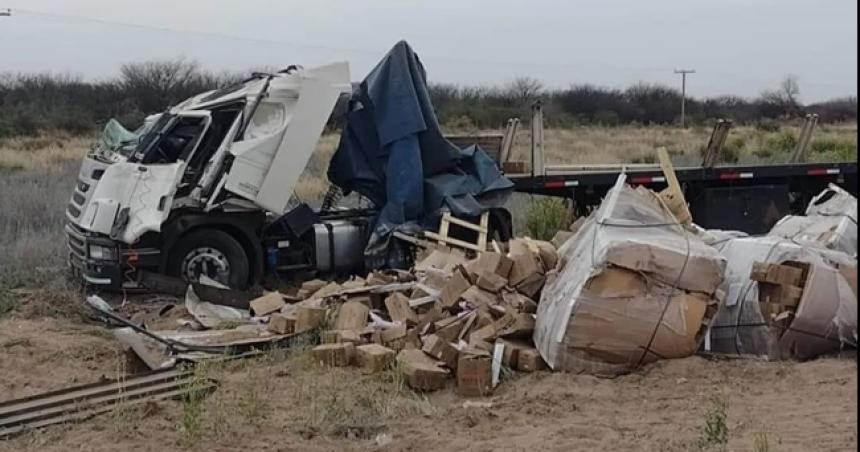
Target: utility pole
x=684, y=73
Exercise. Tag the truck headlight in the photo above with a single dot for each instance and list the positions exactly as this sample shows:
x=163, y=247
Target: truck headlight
x=105, y=253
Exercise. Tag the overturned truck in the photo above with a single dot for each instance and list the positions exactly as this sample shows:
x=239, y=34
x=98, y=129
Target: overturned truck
x=206, y=187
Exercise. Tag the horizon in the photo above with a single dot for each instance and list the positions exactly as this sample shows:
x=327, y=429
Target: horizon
x=483, y=44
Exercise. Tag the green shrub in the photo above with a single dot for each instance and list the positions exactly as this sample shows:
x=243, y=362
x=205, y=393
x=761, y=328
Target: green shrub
x=781, y=142
x=767, y=125
x=546, y=216
x=714, y=434
x=645, y=158
x=839, y=147
x=731, y=150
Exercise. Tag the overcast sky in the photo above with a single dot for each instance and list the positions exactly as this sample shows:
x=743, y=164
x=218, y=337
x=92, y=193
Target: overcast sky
x=736, y=46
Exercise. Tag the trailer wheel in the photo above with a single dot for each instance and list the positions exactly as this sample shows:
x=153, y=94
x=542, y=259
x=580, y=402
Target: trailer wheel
x=213, y=253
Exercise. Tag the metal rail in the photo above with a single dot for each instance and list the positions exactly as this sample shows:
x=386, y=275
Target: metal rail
x=82, y=402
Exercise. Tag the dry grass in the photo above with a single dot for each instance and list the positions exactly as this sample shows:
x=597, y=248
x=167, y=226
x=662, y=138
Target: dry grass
x=637, y=144
x=50, y=152
x=287, y=388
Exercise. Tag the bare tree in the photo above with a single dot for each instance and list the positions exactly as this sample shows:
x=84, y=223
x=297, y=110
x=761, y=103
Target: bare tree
x=786, y=97
x=524, y=89
x=154, y=85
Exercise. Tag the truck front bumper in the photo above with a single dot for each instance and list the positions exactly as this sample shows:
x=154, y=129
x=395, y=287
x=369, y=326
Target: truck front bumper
x=116, y=269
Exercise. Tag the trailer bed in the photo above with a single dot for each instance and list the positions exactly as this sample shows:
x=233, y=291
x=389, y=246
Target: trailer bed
x=746, y=197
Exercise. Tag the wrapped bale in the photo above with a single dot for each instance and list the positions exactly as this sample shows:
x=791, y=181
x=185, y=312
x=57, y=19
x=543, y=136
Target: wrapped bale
x=830, y=222
x=633, y=286
x=822, y=317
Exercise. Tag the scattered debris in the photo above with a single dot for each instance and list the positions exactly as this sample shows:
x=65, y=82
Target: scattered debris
x=211, y=315
x=267, y=304
x=338, y=354
x=83, y=402
x=634, y=282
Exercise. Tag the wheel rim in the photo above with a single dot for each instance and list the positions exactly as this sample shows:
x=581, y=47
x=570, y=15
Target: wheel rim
x=206, y=261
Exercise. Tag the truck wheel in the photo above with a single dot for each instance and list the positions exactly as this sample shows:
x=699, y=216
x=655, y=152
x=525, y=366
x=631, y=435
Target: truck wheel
x=212, y=253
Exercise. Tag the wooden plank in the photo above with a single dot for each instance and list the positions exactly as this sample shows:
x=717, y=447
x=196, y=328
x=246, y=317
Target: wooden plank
x=482, y=227
x=483, y=230
x=673, y=196
x=414, y=240
x=715, y=143
x=451, y=241
x=443, y=227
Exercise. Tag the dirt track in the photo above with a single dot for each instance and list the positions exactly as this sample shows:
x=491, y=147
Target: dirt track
x=282, y=402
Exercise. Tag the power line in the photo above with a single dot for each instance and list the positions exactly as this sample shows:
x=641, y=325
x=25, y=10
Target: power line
x=375, y=53
x=684, y=73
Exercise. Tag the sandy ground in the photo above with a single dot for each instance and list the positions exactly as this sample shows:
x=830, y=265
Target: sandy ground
x=284, y=402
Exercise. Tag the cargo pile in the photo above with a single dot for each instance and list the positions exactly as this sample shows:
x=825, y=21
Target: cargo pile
x=793, y=292
x=450, y=318
x=634, y=282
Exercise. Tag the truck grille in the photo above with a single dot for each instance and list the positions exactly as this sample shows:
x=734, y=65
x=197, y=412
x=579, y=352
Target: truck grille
x=77, y=245
x=78, y=200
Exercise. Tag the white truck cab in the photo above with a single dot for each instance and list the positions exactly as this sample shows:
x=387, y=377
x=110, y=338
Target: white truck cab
x=203, y=188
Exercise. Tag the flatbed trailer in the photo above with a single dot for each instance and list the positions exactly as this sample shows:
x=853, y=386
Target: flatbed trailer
x=749, y=198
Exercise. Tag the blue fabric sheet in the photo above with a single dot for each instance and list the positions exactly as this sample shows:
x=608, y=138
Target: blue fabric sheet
x=393, y=152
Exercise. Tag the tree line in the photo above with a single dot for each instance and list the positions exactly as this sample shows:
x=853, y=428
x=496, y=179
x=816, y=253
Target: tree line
x=31, y=103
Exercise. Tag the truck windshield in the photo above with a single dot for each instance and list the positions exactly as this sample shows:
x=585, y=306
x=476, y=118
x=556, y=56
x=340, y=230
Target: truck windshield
x=151, y=136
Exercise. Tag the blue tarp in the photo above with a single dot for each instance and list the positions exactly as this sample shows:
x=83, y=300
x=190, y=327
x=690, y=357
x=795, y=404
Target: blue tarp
x=392, y=151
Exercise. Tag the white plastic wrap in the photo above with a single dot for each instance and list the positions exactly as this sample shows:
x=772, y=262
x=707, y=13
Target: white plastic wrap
x=739, y=326
x=830, y=222
x=672, y=277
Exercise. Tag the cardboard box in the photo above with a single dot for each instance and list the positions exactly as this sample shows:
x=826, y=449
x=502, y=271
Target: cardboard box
x=420, y=371
x=282, y=324
x=491, y=282
x=546, y=253
x=484, y=334
x=531, y=285
x=394, y=337
x=373, y=358
x=337, y=355
x=474, y=374
x=352, y=315
x=455, y=286
x=522, y=327
x=435, y=278
x=784, y=274
x=267, y=304
x=560, y=238
x=519, y=302
x=449, y=328
x=582, y=328
x=529, y=360
x=443, y=258
x=513, y=347
x=488, y=261
x=778, y=294
x=309, y=317
x=526, y=263
x=478, y=297
x=441, y=349
x=399, y=310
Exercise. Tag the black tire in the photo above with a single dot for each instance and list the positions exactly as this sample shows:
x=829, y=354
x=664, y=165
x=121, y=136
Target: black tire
x=213, y=248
